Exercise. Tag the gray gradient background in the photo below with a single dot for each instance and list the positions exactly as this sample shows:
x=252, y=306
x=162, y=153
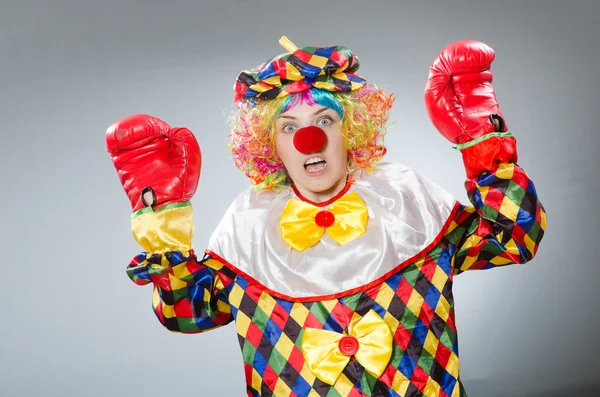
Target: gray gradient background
x=72, y=324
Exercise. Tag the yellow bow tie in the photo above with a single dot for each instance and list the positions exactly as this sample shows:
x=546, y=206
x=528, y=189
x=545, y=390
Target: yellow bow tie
x=302, y=225
x=327, y=353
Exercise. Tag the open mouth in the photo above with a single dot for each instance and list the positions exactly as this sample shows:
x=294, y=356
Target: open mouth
x=314, y=165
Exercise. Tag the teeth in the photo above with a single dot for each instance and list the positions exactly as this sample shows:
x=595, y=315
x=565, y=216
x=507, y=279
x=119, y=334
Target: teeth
x=313, y=160
x=318, y=168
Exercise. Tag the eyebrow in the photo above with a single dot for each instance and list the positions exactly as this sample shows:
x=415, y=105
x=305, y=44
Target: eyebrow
x=283, y=116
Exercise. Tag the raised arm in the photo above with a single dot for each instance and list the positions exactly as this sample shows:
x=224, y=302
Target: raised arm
x=159, y=168
x=506, y=221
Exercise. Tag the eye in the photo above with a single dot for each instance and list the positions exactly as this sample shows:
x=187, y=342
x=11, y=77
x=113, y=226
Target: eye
x=324, y=121
x=289, y=128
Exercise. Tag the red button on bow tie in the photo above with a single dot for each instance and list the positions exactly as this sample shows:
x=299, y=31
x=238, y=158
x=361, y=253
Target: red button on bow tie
x=348, y=345
x=324, y=218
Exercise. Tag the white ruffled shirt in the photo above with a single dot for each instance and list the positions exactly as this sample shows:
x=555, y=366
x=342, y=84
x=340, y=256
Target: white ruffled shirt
x=407, y=212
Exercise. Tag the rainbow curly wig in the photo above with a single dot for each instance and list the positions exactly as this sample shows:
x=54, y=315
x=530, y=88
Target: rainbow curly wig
x=364, y=114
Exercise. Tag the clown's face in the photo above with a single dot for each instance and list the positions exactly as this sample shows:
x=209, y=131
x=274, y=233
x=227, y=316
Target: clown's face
x=318, y=171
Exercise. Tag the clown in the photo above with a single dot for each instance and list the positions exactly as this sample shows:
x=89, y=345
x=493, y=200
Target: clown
x=336, y=268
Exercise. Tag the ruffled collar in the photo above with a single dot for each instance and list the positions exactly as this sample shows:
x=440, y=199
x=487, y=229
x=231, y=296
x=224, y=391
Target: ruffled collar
x=407, y=216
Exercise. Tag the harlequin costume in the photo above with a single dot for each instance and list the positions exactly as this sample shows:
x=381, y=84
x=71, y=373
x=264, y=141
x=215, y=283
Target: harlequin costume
x=349, y=297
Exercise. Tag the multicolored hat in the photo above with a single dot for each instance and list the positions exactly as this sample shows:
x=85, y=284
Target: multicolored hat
x=326, y=68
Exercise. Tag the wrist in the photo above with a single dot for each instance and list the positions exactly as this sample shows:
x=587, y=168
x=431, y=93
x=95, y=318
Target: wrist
x=168, y=229
x=482, y=138
x=484, y=154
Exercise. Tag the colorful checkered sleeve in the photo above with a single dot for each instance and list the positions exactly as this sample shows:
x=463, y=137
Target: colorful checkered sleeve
x=505, y=224
x=189, y=296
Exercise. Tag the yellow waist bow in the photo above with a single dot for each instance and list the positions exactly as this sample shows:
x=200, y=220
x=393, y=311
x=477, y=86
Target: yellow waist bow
x=327, y=353
x=302, y=224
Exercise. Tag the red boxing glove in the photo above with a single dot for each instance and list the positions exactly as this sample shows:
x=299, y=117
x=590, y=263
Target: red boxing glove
x=154, y=160
x=461, y=103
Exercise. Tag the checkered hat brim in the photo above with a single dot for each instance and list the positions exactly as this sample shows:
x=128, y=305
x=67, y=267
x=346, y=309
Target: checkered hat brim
x=326, y=68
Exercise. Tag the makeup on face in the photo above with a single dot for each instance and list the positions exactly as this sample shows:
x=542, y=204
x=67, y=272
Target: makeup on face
x=310, y=143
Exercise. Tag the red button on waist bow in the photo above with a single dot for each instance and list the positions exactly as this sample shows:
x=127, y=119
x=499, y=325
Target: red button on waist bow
x=324, y=218
x=348, y=345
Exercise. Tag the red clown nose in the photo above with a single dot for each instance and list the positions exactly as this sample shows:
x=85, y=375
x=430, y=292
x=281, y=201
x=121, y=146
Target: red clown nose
x=310, y=139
